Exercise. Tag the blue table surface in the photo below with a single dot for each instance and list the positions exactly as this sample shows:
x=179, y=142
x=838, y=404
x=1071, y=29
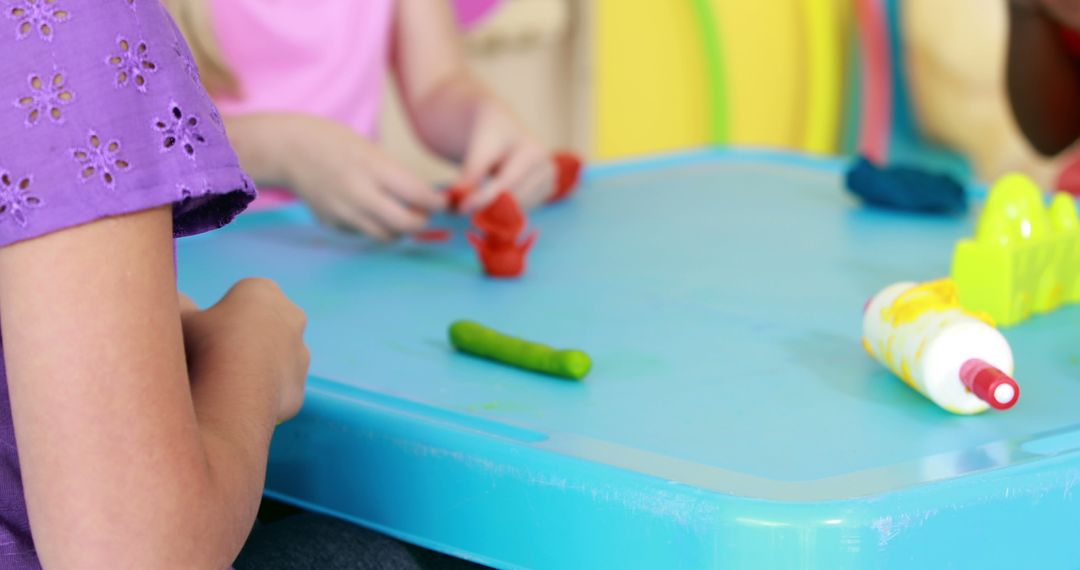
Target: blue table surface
x=719, y=294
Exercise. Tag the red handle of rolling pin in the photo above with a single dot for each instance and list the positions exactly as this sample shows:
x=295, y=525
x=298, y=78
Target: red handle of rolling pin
x=990, y=384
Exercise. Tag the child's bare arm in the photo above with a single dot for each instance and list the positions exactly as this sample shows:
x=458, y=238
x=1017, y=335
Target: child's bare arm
x=128, y=460
x=440, y=94
x=1043, y=80
x=457, y=116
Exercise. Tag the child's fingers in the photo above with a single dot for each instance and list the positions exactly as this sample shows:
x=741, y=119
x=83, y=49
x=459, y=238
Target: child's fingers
x=395, y=216
x=518, y=167
x=352, y=218
x=537, y=188
x=480, y=198
x=482, y=159
x=408, y=187
x=364, y=223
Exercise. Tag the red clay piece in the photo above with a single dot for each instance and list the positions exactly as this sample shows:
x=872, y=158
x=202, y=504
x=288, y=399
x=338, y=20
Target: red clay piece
x=432, y=235
x=503, y=218
x=501, y=224
x=567, y=174
x=455, y=196
x=502, y=260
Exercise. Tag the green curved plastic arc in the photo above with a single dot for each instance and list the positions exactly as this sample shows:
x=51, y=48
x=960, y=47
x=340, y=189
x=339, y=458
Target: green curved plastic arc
x=476, y=339
x=715, y=70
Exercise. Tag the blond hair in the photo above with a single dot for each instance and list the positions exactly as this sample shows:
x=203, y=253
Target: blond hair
x=193, y=19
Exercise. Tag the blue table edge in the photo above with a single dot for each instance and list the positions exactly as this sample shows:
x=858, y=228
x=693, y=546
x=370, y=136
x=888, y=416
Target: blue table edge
x=998, y=455
x=1061, y=444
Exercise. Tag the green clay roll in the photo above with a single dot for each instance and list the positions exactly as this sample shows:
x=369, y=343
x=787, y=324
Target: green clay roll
x=476, y=339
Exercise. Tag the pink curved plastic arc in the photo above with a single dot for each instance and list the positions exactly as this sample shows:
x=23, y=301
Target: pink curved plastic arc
x=472, y=12
x=876, y=120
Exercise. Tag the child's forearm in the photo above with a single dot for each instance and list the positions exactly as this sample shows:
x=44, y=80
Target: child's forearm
x=1043, y=81
x=444, y=117
x=259, y=144
x=442, y=98
x=236, y=420
x=119, y=469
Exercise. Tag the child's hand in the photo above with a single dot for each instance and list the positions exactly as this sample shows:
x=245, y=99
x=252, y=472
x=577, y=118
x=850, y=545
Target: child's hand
x=502, y=148
x=1042, y=81
x=254, y=318
x=1066, y=12
x=349, y=182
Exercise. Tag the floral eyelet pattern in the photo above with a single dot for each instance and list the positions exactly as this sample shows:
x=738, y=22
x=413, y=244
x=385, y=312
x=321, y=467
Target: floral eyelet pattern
x=16, y=199
x=132, y=64
x=100, y=159
x=179, y=131
x=193, y=72
x=36, y=15
x=89, y=87
x=47, y=97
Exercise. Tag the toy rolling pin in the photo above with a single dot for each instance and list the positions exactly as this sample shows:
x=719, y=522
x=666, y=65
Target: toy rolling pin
x=952, y=356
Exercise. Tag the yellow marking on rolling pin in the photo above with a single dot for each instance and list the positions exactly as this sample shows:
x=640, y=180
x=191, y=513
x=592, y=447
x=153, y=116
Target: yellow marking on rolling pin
x=905, y=375
x=982, y=316
x=887, y=352
x=922, y=347
x=939, y=295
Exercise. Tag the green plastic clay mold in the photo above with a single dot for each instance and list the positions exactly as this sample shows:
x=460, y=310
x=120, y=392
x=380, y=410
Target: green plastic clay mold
x=1024, y=258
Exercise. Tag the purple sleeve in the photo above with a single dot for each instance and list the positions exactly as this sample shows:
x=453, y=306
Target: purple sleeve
x=102, y=114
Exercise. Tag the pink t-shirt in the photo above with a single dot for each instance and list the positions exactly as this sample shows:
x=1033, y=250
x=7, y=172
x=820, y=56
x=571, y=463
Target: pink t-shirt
x=324, y=57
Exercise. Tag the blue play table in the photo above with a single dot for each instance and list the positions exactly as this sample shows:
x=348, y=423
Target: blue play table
x=731, y=418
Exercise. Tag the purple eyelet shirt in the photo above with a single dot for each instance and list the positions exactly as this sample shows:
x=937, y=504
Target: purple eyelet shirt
x=101, y=114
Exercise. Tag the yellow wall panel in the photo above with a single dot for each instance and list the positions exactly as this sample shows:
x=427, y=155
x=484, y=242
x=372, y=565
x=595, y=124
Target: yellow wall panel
x=762, y=46
x=825, y=33
x=651, y=93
